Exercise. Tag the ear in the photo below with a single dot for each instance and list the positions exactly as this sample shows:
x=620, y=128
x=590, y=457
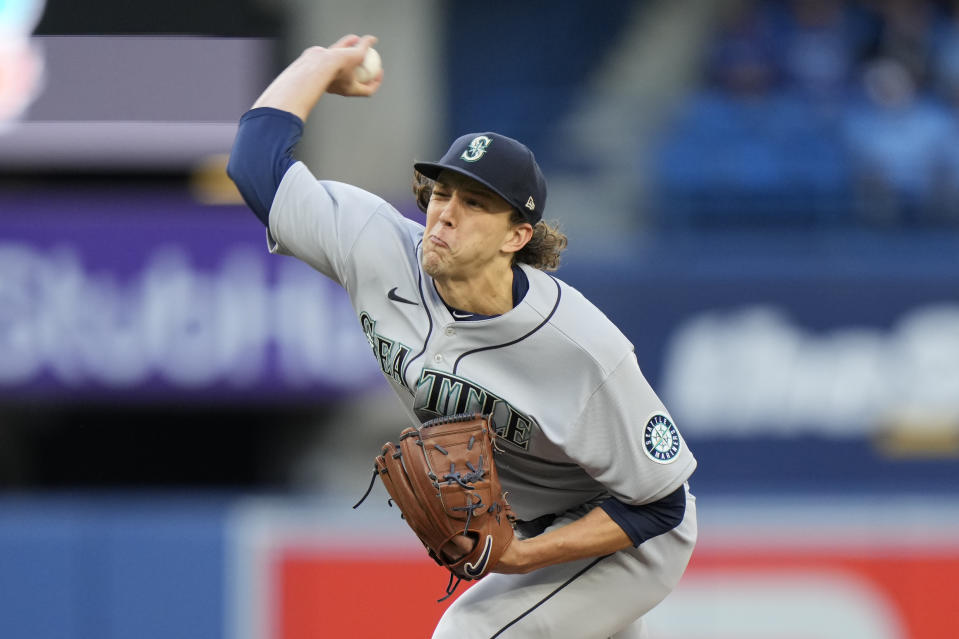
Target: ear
x=517, y=237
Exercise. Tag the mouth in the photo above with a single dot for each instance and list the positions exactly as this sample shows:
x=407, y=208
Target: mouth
x=438, y=242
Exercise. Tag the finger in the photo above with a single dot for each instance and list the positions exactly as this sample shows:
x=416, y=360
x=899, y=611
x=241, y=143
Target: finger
x=374, y=84
x=367, y=41
x=368, y=89
x=346, y=41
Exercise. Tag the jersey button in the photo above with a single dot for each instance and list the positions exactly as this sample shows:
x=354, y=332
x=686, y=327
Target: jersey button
x=437, y=358
x=450, y=331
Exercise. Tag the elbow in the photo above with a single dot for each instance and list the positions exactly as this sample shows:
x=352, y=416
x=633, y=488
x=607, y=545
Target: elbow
x=261, y=155
x=649, y=520
x=243, y=174
x=234, y=170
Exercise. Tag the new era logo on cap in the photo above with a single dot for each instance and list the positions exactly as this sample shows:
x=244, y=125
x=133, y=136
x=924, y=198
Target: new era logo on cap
x=508, y=168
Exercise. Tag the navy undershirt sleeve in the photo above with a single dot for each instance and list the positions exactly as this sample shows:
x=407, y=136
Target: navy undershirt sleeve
x=649, y=520
x=262, y=153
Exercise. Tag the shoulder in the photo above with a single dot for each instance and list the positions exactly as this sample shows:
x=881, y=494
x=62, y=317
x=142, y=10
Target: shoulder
x=300, y=189
x=300, y=184
x=329, y=224
x=577, y=321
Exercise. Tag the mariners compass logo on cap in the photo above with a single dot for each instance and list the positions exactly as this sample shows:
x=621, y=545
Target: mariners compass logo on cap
x=508, y=169
x=476, y=149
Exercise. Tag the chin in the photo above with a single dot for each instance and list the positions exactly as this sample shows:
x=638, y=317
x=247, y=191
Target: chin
x=431, y=265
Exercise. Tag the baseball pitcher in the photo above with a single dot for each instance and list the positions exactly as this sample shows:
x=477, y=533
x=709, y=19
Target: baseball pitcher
x=531, y=427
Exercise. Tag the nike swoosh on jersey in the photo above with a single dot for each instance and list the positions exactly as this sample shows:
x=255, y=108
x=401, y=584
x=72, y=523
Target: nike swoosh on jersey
x=459, y=315
x=396, y=298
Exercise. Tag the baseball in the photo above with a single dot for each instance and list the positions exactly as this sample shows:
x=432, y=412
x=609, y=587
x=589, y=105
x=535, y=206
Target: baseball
x=368, y=69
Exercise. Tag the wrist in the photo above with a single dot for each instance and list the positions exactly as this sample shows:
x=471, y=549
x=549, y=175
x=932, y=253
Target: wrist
x=516, y=559
x=320, y=66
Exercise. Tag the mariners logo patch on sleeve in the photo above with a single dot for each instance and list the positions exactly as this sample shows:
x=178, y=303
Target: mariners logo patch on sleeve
x=661, y=439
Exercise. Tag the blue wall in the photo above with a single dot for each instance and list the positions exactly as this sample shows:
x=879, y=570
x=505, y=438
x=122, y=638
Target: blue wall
x=111, y=568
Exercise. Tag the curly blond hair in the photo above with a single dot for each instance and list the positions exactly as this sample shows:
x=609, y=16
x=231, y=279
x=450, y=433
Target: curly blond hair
x=544, y=249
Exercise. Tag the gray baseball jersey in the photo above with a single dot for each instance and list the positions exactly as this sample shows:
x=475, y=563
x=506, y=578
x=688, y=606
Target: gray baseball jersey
x=577, y=420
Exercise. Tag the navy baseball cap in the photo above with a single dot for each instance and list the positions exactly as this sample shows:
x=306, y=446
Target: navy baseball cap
x=500, y=163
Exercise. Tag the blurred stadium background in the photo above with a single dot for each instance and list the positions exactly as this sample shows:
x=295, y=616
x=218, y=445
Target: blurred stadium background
x=763, y=195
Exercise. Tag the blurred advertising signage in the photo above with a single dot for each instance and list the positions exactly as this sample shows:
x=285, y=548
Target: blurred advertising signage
x=824, y=594
x=754, y=370
x=159, y=296
x=21, y=62
x=839, y=571
x=774, y=596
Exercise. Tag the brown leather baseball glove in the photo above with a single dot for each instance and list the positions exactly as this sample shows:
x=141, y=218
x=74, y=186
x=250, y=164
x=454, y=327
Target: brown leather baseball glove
x=442, y=478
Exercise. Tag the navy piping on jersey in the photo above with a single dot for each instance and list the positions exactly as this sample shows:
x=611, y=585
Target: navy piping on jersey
x=559, y=295
x=429, y=317
x=549, y=596
x=262, y=154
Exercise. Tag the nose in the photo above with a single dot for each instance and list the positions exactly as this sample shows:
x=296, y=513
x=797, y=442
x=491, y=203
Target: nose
x=447, y=212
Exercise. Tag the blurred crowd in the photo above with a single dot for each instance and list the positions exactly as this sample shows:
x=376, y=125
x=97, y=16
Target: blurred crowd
x=820, y=111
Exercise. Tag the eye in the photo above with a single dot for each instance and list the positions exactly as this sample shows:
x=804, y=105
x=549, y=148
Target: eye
x=439, y=194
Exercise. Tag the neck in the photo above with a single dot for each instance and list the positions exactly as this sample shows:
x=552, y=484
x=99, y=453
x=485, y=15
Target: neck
x=488, y=293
